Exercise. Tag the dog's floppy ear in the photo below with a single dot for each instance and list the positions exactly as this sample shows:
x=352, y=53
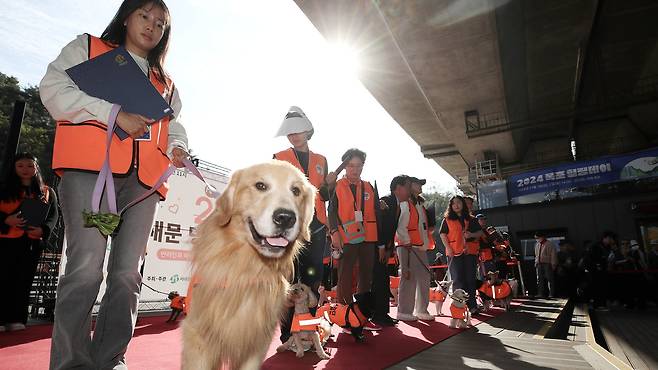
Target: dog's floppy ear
x=307, y=210
x=224, y=207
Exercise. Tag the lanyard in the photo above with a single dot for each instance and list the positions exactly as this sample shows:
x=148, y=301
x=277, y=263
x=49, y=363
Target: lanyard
x=363, y=199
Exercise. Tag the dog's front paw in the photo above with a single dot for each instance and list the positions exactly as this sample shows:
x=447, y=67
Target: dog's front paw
x=323, y=355
x=299, y=354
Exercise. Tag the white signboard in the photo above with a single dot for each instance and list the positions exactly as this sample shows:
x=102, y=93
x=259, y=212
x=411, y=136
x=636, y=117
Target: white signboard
x=166, y=266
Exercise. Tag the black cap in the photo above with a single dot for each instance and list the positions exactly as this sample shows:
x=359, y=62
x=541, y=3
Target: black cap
x=480, y=215
x=418, y=181
x=399, y=180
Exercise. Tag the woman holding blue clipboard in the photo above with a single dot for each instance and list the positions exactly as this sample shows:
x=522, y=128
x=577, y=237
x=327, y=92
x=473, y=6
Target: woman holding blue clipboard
x=79, y=154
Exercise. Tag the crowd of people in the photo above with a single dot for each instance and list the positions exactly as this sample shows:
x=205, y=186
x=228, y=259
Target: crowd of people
x=608, y=273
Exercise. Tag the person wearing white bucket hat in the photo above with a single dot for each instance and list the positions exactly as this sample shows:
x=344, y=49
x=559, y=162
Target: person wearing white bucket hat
x=308, y=266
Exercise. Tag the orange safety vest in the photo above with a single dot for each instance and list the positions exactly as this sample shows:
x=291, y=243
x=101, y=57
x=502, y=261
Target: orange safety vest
x=486, y=254
x=352, y=231
x=81, y=146
x=437, y=295
x=456, y=237
x=178, y=303
x=11, y=207
x=316, y=173
x=501, y=291
x=458, y=313
x=412, y=227
x=345, y=316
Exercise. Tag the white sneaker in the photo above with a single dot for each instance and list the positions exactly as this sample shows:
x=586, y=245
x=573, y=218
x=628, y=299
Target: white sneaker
x=425, y=316
x=406, y=317
x=15, y=326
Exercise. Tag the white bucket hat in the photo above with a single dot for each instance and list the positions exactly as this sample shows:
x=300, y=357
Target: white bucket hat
x=295, y=122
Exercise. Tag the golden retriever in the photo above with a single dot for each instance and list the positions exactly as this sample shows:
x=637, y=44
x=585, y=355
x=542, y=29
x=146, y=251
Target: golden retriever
x=242, y=257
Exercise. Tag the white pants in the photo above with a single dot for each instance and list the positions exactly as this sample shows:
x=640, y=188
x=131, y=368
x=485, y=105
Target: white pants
x=414, y=292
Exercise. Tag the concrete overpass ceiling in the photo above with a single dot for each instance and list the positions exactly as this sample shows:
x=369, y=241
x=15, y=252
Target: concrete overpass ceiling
x=524, y=70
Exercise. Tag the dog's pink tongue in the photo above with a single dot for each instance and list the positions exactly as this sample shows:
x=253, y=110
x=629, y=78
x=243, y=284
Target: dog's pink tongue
x=278, y=242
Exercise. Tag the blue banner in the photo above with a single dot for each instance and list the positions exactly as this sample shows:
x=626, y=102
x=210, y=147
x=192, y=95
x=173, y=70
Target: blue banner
x=586, y=173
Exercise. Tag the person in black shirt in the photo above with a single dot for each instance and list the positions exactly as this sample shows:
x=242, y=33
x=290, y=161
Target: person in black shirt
x=461, y=247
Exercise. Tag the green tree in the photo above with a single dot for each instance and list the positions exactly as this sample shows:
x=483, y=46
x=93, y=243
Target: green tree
x=38, y=129
x=439, y=200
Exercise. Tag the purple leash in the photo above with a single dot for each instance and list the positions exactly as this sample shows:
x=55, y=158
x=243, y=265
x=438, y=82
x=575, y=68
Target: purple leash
x=106, y=180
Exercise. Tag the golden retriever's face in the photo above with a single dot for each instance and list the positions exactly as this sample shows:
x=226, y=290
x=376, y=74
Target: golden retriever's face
x=273, y=203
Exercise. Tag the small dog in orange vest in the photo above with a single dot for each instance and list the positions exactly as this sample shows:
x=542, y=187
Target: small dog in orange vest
x=461, y=316
x=352, y=316
x=438, y=295
x=307, y=331
x=177, y=305
x=495, y=291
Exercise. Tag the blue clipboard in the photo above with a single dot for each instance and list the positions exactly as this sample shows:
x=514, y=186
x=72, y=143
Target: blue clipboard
x=115, y=77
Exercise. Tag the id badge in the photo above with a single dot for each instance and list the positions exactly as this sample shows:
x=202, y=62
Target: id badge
x=358, y=216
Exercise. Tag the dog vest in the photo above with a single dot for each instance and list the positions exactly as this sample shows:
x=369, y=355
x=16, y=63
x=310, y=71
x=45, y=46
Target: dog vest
x=351, y=230
x=12, y=206
x=177, y=303
x=345, y=316
x=499, y=291
x=316, y=173
x=437, y=295
x=458, y=313
x=297, y=326
x=81, y=146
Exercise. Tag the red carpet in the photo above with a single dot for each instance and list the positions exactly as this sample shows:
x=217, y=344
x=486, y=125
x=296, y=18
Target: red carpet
x=156, y=345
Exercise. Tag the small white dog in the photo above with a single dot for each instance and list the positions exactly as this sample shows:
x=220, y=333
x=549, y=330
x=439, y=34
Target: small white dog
x=461, y=316
x=438, y=295
x=306, y=330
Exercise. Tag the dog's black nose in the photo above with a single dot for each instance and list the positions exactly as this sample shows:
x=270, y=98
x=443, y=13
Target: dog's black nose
x=284, y=218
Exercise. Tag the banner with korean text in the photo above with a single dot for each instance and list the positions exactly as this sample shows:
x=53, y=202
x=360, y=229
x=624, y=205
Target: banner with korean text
x=166, y=267
x=586, y=173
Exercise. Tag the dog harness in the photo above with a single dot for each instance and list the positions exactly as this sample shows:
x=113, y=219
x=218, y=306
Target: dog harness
x=499, y=291
x=298, y=326
x=458, y=313
x=437, y=295
x=349, y=316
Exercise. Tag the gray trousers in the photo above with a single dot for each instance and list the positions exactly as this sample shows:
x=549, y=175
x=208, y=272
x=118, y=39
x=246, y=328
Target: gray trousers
x=352, y=253
x=72, y=344
x=415, y=291
x=545, y=277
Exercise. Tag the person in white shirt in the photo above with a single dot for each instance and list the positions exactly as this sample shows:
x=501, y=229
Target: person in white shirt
x=414, y=271
x=142, y=27
x=545, y=263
